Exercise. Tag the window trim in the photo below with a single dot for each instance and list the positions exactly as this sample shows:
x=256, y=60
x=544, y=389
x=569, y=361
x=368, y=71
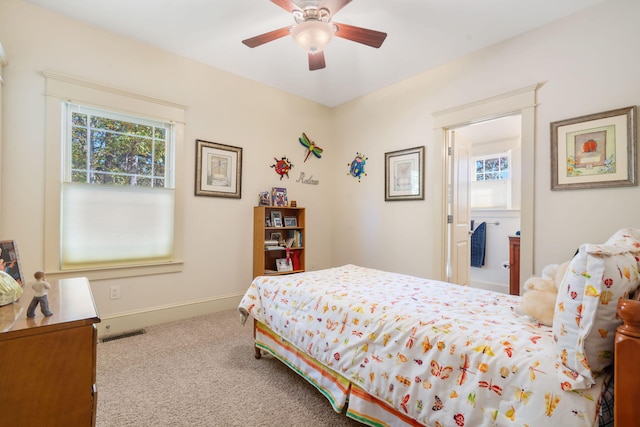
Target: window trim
x=61, y=88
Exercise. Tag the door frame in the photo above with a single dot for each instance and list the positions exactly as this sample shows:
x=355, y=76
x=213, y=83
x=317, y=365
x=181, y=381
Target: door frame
x=521, y=101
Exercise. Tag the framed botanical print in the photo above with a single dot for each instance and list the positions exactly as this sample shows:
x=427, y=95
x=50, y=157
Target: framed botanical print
x=218, y=170
x=594, y=151
x=404, y=174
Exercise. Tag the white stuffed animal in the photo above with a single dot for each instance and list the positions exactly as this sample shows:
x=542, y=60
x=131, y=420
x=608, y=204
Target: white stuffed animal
x=539, y=299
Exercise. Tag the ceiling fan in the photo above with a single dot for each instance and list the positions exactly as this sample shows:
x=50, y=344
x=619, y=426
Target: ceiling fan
x=313, y=29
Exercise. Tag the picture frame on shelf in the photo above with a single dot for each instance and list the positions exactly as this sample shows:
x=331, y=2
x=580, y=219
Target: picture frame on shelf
x=264, y=198
x=404, y=174
x=10, y=260
x=594, y=151
x=279, y=196
x=218, y=170
x=267, y=222
x=290, y=221
x=284, y=265
x=276, y=236
x=276, y=219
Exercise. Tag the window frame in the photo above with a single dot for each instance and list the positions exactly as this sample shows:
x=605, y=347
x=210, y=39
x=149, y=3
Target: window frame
x=71, y=108
x=60, y=89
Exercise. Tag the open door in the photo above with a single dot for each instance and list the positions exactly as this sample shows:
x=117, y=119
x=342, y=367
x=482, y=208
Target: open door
x=521, y=101
x=459, y=217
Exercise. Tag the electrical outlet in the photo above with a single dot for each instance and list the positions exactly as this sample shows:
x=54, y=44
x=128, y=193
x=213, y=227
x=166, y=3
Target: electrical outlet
x=115, y=292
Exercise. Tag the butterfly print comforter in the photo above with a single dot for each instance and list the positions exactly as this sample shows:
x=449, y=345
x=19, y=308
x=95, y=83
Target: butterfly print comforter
x=443, y=354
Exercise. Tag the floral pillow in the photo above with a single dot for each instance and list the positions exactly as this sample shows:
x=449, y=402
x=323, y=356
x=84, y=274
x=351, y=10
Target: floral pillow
x=585, y=321
x=630, y=236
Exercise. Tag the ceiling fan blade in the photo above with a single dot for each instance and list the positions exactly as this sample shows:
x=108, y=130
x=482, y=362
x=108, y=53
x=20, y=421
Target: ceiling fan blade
x=360, y=35
x=334, y=6
x=267, y=37
x=287, y=5
x=316, y=61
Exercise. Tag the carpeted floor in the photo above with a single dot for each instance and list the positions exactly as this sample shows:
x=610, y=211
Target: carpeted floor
x=202, y=372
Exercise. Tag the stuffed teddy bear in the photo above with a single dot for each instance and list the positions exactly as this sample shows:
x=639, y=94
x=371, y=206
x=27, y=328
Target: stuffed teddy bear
x=539, y=298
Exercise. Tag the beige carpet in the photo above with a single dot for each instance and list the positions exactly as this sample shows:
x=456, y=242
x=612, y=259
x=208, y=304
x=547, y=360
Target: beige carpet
x=202, y=372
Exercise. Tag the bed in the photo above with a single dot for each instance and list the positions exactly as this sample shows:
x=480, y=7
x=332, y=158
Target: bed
x=392, y=349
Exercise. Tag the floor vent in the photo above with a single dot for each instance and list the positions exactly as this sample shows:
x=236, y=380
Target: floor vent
x=123, y=335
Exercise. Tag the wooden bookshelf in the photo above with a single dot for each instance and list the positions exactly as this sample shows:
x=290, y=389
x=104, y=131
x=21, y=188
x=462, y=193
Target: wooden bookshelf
x=292, y=226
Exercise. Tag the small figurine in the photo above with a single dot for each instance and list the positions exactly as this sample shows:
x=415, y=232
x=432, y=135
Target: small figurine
x=41, y=287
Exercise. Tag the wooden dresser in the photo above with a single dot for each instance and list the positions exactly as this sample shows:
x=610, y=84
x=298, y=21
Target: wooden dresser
x=48, y=364
x=514, y=265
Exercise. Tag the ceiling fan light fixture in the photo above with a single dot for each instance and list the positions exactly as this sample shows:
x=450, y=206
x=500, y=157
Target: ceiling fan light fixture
x=312, y=36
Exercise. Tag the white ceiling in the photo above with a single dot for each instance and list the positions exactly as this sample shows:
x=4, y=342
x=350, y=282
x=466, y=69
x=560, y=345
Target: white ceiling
x=490, y=131
x=422, y=34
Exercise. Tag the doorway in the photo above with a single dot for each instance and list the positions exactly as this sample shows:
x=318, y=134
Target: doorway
x=519, y=102
x=494, y=184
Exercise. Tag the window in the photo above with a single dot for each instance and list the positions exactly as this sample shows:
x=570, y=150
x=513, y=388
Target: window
x=113, y=186
x=491, y=185
x=117, y=191
x=492, y=168
x=110, y=148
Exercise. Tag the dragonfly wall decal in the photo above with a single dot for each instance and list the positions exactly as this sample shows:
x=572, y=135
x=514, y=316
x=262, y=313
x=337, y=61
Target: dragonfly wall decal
x=311, y=146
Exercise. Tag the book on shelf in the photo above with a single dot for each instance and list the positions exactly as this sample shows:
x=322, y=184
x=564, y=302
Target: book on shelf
x=296, y=235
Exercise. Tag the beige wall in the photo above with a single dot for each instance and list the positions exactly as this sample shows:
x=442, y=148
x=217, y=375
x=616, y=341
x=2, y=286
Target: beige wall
x=222, y=108
x=584, y=71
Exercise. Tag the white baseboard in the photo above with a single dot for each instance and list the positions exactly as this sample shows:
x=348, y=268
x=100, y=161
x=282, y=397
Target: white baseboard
x=496, y=287
x=129, y=321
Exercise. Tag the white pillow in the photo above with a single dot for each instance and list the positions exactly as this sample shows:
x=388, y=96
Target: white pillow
x=585, y=321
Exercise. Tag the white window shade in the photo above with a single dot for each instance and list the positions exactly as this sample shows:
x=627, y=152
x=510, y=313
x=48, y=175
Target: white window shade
x=490, y=194
x=148, y=238
x=105, y=225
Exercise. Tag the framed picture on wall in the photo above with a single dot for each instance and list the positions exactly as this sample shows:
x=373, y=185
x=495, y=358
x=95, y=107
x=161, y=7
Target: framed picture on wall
x=404, y=174
x=594, y=151
x=218, y=170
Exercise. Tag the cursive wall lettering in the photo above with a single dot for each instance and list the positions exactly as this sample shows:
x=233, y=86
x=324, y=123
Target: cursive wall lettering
x=309, y=180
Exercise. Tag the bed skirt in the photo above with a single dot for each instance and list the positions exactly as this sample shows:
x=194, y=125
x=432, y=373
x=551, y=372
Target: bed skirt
x=333, y=386
x=341, y=393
